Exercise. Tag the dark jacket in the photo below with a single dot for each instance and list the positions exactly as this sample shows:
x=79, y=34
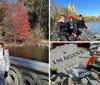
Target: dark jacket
x=81, y=24
x=62, y=28
x=72, y=28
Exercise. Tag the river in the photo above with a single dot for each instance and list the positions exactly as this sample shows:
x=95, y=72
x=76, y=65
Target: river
x=94, y=26
x=38, y=53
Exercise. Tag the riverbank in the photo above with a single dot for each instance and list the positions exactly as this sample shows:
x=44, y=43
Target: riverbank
x=40, y=43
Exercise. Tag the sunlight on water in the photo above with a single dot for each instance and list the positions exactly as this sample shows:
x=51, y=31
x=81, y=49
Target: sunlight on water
x=94, y=26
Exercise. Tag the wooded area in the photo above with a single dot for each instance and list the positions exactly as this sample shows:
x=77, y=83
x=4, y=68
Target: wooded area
x=24, y=20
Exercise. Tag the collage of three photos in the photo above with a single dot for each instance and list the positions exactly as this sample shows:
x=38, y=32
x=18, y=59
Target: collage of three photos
x=49, y=42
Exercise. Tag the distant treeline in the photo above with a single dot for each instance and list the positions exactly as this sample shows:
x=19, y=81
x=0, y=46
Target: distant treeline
x=92, y=18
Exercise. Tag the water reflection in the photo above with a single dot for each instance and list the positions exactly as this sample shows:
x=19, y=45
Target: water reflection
x=38, y=53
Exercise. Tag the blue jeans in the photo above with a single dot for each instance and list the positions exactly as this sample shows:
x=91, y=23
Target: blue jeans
x=2, y=79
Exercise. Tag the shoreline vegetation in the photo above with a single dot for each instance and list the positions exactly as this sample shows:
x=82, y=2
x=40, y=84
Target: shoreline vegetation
x=24, y=22
x=92, y=18
x=41, y=43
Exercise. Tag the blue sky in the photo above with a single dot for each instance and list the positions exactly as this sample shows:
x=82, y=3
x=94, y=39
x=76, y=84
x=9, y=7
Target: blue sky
x=8, y=1
x=87, y=7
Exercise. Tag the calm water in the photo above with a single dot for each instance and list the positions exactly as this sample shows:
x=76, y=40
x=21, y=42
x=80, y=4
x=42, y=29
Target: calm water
x=94, y=26
x=38, y=53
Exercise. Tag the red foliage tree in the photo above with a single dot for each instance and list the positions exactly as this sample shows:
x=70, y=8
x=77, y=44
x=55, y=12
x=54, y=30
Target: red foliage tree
x=20, y=24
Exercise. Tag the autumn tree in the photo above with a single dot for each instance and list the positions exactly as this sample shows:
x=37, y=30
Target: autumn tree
x=20, y=24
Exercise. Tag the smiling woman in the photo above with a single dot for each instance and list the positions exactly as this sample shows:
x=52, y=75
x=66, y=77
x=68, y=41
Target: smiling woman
x=4, y=63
